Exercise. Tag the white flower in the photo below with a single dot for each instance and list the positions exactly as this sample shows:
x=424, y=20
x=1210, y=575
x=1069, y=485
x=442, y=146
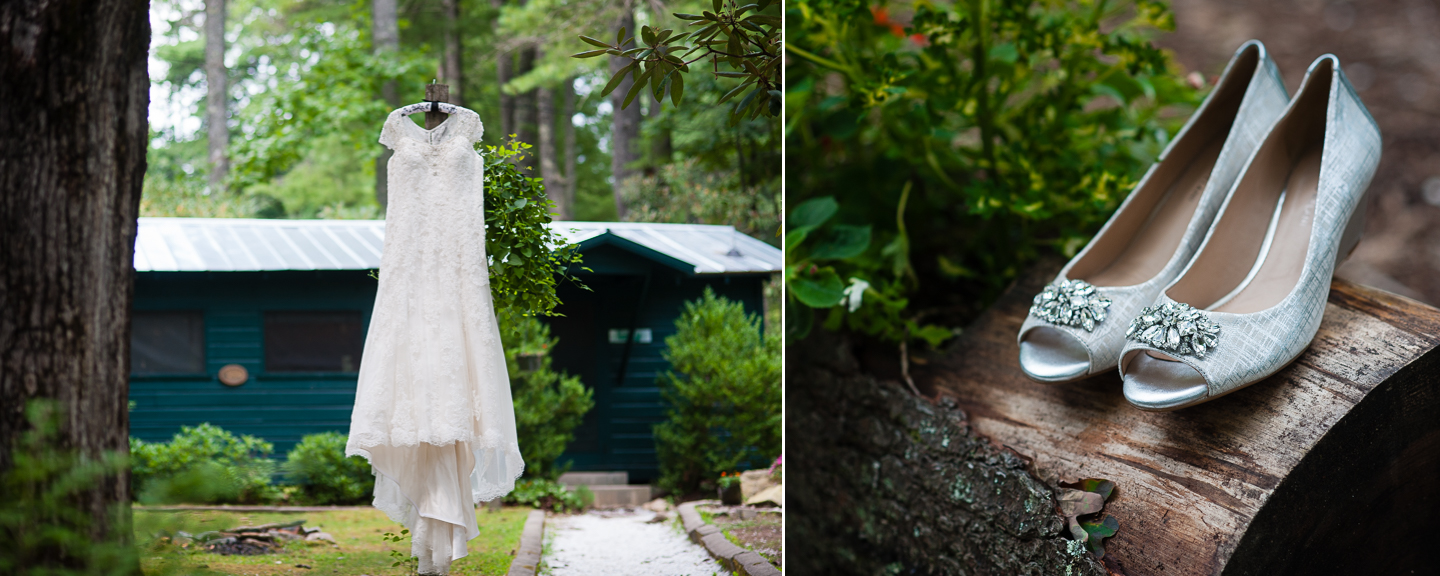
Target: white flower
x=854, y=292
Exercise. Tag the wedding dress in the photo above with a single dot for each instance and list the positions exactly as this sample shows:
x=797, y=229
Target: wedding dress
x=433, y=413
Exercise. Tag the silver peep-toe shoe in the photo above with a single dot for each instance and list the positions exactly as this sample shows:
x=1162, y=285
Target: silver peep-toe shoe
x=1252, y=299
x=1076, y=327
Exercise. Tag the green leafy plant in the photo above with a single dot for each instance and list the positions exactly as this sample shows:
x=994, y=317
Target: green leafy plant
x=748, y=44
x=682, y=192
x=324, y=475
x=959, y=142
x=202, y=464
x=549, y=405
x=723, y=392
x=549, y=495
x=528, y=259
x=399, y=558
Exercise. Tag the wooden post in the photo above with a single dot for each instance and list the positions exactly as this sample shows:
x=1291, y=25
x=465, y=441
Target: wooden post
x=436, y=93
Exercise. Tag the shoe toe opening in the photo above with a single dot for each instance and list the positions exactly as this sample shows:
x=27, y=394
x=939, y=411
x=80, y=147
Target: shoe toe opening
x=1048, y=354
x=1154, y=381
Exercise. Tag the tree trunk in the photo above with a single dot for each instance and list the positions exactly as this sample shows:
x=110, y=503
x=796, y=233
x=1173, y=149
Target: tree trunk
x=450, y=70
x=217, y=97
x=504, y=61
x=73, y=135
x=386, y=34
x=625, y=130
x=549, y=167
x=571, y=180
x=660, y=147
x=883, y=482
x=526, y=123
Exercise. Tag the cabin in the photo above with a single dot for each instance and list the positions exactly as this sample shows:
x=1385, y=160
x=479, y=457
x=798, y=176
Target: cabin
x=257, y=326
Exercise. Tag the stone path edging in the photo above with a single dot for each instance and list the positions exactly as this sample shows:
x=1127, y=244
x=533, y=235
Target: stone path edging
x=740, y=560
x=532, y=540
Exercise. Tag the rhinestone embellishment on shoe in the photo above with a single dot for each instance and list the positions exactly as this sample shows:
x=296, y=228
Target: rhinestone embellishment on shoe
x=1071, y=303
x=1175, y=327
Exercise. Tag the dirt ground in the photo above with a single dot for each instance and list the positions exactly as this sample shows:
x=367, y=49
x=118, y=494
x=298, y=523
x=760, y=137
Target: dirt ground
x=1391, y=51
x=761, y=532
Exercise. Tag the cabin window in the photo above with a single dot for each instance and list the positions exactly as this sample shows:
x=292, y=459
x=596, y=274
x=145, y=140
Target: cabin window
x=167, y=342
x=313, y=341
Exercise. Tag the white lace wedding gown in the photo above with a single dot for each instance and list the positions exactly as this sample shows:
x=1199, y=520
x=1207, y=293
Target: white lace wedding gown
x=432, y=410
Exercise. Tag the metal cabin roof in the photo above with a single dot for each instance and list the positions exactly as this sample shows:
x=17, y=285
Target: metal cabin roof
x=244, y=244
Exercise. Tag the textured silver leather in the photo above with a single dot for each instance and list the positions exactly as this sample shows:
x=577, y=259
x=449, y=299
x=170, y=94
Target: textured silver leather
x=1258, y=344
x=1265, y=99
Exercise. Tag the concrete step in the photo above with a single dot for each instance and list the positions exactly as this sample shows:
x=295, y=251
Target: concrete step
x=611, y=496
x=593, y=479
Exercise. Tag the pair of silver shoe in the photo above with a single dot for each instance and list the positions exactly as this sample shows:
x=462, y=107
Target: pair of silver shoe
x=1213, y=274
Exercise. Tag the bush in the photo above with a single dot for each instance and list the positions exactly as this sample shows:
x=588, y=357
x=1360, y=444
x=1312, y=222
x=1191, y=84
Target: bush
x=202, y=464
x=324, y=475
x=549, y=405
x=724, y=395
x=957, y=144
x=683, y=192
x=550, y=495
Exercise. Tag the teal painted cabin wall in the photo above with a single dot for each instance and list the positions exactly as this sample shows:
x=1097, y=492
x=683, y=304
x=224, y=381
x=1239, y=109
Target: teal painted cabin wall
x=282, y=408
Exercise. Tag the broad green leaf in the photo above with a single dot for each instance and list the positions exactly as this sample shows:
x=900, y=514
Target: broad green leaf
x=820, y=288
x=813, y=212
x=617, y=78
x=1097, y=532
x=620, y=37
x=733, y=92
x=636, y=88
x=594, y=42
x=677, y=88
x=648, y=35
x=688, y=16
x=590, y=54
x=845, y=241
x=793, y=238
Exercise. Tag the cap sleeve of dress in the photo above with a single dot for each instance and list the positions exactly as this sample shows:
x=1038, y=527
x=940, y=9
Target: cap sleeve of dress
x=390, y=133
x=477, y=128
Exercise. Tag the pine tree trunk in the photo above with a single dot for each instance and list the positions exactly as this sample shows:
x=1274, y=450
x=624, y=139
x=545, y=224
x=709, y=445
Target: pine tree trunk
x=567, y=211
x=386, y=34
x=526, y=123
x=217, y=96
x=73, y=134
x=660, y=147
x=504, y=62
x=625, y=131
x=450, y=70
x=549, y=167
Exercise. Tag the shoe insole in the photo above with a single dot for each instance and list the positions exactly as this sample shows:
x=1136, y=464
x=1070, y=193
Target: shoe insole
x=1155, y=243
x=1278, y=269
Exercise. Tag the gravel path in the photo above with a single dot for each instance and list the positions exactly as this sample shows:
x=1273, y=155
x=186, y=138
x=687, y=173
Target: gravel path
x=604, y=544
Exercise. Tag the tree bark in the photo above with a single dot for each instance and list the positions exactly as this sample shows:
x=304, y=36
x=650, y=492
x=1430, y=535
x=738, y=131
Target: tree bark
x=504, y=62
x=625, y=127
x=526, y=123
x=217, y=97
x=386, y=34
x=883, y=482
x=549, y=167
x=660, y=146
x=451, y=72
x=73, y=135
x=571, y=180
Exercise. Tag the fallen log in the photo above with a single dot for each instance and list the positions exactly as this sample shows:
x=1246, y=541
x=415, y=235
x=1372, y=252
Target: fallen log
x=1330, y=466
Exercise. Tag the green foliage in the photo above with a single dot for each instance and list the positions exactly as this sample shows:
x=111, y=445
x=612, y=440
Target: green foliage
x=202, y=464
x=40, y=520
x=967, y=139
x=397, y=557
x=682, y=192
x=724, y=395
x=1086, y=498
x=324, y=475
x=549, y=405
x=527, y=257
x=748, y=45
x=547, y=494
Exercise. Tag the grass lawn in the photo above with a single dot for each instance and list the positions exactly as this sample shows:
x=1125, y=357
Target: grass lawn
x=359, y=549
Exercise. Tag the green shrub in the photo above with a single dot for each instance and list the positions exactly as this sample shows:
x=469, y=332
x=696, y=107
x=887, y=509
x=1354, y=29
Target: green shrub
x=202, y=464
x=956, y=144
x=324, y=475
x=549, y=495
x=723, y=392
x=549, y=405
